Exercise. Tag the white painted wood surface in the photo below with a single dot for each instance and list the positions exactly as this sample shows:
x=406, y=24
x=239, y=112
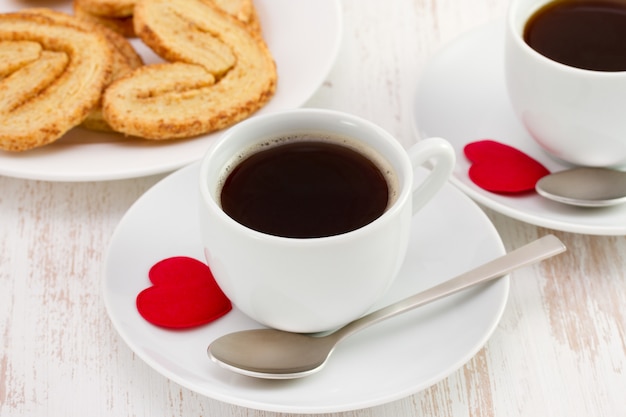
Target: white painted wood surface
x=560, y=349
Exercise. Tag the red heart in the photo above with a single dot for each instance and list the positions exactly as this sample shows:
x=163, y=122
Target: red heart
x=501, y=168
x=184, y=294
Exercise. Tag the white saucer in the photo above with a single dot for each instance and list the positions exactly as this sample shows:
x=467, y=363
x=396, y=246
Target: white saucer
x=462, y=98
x=304, y=55
x=386, y=362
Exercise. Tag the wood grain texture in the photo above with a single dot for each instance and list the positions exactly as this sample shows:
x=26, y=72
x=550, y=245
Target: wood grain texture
x=560, y=349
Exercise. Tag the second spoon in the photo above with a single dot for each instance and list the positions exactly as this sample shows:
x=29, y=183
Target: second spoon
x=585, y=187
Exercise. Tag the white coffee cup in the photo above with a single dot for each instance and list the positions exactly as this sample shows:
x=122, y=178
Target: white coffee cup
x=578, y=116
x=313, y=284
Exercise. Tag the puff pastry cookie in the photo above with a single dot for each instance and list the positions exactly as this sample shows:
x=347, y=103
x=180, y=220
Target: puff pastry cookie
x=117, y=15
x=53, y=75
x=219, y=72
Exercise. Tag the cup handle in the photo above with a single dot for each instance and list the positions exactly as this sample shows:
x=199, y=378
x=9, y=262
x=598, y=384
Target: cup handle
x=444, y=157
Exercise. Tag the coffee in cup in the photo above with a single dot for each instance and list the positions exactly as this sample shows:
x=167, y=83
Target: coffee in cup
x=309, y=253
x=307, y=185
x=586, y=34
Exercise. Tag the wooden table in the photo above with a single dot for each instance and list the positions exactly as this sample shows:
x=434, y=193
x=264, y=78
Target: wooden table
x=559, y=350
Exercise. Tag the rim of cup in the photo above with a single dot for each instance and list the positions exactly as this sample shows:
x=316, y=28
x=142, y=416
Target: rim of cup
x=404, y=192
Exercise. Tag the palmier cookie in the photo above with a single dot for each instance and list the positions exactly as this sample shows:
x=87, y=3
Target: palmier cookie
x=117, y=15
x=45, y=97
x=219, y=73
x=125, y=58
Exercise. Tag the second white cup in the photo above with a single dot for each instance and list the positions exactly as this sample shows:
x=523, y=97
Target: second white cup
x=574, y=114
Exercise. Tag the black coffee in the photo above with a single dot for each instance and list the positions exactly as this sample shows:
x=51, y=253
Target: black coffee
x=584, y=34
x=305, y=189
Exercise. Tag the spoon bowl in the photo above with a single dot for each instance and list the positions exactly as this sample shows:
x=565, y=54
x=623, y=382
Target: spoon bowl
x=585, y=187
x=276, y=354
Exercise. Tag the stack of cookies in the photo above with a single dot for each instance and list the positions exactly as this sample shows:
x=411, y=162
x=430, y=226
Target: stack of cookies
x=58, y=71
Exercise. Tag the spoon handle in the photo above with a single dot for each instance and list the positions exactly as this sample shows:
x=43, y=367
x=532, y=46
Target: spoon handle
x=531, y=253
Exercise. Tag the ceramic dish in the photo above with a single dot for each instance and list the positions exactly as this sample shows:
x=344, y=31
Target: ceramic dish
x=462, y=97
x=290, y=28
x=386, y=362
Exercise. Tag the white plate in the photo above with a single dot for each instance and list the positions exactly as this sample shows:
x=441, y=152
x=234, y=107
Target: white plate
x=462, y=97
x=304, y=37
x=386, y=362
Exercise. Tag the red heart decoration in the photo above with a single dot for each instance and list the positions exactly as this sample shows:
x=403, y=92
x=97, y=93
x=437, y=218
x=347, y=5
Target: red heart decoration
x=184, y=294
x=500, y=168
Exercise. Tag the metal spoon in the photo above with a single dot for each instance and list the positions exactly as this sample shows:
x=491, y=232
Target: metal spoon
x=586, y=187
x=275, y=354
